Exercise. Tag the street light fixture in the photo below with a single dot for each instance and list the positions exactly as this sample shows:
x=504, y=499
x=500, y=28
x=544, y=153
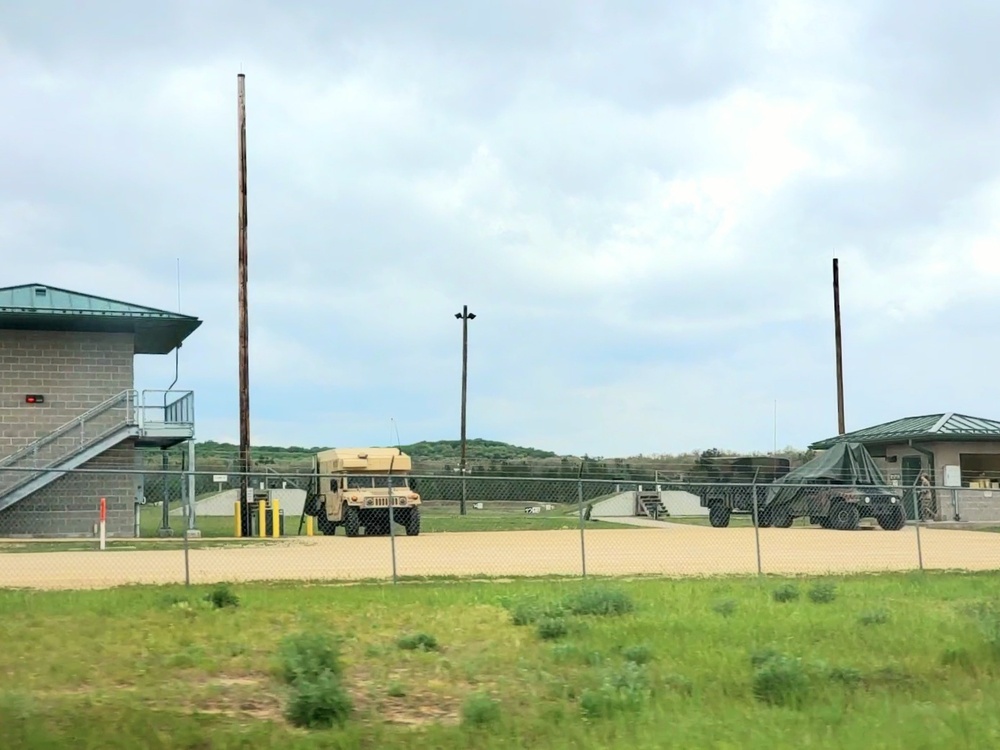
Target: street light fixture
x=465, y=316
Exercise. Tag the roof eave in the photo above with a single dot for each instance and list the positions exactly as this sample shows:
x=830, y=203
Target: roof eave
x=153, y=334
x=162, y=338
x=902, y=439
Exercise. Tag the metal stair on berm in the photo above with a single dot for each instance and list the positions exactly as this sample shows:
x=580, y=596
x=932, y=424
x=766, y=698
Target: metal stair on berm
x=152, y=418
x=648, y=503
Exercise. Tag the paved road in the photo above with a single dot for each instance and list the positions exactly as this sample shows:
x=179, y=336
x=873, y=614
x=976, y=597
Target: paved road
x=673, y=550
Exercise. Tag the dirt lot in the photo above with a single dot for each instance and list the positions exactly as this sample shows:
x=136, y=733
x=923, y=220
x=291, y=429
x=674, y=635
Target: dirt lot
x=674, y=550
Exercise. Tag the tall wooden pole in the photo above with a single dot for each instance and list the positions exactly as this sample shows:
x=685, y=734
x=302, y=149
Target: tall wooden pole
x=244, y=347
x=839, y=344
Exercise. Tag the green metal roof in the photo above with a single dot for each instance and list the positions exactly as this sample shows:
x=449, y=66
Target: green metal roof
x=927, y=428
x=37, y=307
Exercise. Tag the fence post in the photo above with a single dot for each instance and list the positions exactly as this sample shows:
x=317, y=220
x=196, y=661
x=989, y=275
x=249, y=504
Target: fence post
x=392, y=522
x=583, y=546
x=463, y=508
x=187, y=558
x=916, y=516
x=756, y=525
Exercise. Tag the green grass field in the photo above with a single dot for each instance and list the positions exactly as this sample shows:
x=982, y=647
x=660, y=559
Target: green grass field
x=217, y=531
x=894, y=661
x=435, y=518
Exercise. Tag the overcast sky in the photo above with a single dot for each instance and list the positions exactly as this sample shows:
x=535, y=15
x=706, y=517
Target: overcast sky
x=639, y=200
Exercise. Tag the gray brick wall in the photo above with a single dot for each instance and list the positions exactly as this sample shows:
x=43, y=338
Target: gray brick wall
x=977, y=506
x=74, y=371
x=69, y=505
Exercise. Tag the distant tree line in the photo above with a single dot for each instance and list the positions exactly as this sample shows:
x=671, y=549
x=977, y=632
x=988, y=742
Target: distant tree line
x=485, y=458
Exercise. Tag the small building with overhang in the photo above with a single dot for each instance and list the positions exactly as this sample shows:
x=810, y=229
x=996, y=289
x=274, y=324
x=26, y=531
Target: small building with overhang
x=72, y=423
x=959, y=453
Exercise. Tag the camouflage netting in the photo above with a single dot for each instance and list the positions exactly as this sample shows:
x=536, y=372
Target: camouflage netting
x=844, y=463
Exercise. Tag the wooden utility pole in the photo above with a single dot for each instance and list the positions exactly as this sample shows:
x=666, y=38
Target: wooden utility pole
x=465, y=317
x=839, y=345
x=244, y=346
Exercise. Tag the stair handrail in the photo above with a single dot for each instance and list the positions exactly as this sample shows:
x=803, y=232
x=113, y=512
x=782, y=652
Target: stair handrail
x=128, y=396
x=53, y=465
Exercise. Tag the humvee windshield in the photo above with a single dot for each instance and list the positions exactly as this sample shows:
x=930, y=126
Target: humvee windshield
x=367, y=483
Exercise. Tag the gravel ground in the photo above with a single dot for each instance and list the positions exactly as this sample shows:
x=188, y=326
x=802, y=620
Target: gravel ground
x=668, y=550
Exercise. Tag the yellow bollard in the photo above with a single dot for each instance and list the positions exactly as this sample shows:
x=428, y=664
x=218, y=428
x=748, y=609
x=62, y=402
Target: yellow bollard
x=262, y=518
x=275, y=519
x=237, y=526
x=309, y=525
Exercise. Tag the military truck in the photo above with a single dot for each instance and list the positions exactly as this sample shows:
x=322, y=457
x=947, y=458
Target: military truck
x=353, y=490
x=736, y=480
x=835, y=490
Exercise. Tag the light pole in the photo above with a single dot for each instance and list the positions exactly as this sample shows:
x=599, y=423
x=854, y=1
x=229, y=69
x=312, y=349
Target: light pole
x=465, y=316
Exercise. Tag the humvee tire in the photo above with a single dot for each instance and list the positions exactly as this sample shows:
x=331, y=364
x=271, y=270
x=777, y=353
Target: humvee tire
x=352, y=521
x=782, y=519
x=844, y=516
x=892, y=519
x=413, y=522
x=326, y=526
x=718, y=515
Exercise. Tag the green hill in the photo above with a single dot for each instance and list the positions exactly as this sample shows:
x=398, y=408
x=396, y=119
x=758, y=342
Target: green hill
x=212, y=455
x=484, y=457
x=478, y=449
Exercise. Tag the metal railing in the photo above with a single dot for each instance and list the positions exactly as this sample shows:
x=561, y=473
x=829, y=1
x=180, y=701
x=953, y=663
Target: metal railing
x=176, y=413
x=122, y=410
x=75, y=432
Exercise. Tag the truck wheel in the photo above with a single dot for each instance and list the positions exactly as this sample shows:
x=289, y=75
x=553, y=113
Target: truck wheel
x=352, y=521
x=326, y=526
x=413, y=522
x=844, y=516
x=892, y=519
x=782, y=519
x=764, y=518
x=718, y=516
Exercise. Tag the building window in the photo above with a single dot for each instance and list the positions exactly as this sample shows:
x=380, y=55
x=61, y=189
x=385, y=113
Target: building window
x=980, y=470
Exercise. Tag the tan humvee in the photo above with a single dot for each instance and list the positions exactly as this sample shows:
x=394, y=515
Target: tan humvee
x=354, y=489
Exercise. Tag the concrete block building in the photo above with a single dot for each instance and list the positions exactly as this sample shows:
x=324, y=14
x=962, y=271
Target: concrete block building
x=68, y=402
x=960, y=454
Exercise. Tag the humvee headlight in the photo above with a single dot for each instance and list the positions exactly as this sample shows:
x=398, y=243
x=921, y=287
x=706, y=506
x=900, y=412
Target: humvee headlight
x=867, y=499
x=893, y=500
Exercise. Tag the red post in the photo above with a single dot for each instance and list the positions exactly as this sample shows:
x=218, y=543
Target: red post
x=104, y=518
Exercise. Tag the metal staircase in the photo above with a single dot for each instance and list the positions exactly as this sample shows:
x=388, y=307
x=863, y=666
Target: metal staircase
x=648, y=503
x=129, y=414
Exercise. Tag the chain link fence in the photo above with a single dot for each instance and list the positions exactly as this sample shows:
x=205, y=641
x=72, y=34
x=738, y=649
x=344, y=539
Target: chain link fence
x=190, y=527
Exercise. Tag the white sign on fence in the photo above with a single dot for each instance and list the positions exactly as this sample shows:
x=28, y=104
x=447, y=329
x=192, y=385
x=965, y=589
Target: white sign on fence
x=220, y=478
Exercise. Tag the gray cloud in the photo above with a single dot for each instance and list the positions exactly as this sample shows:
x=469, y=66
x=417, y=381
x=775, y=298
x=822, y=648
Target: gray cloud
x=640, y=201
